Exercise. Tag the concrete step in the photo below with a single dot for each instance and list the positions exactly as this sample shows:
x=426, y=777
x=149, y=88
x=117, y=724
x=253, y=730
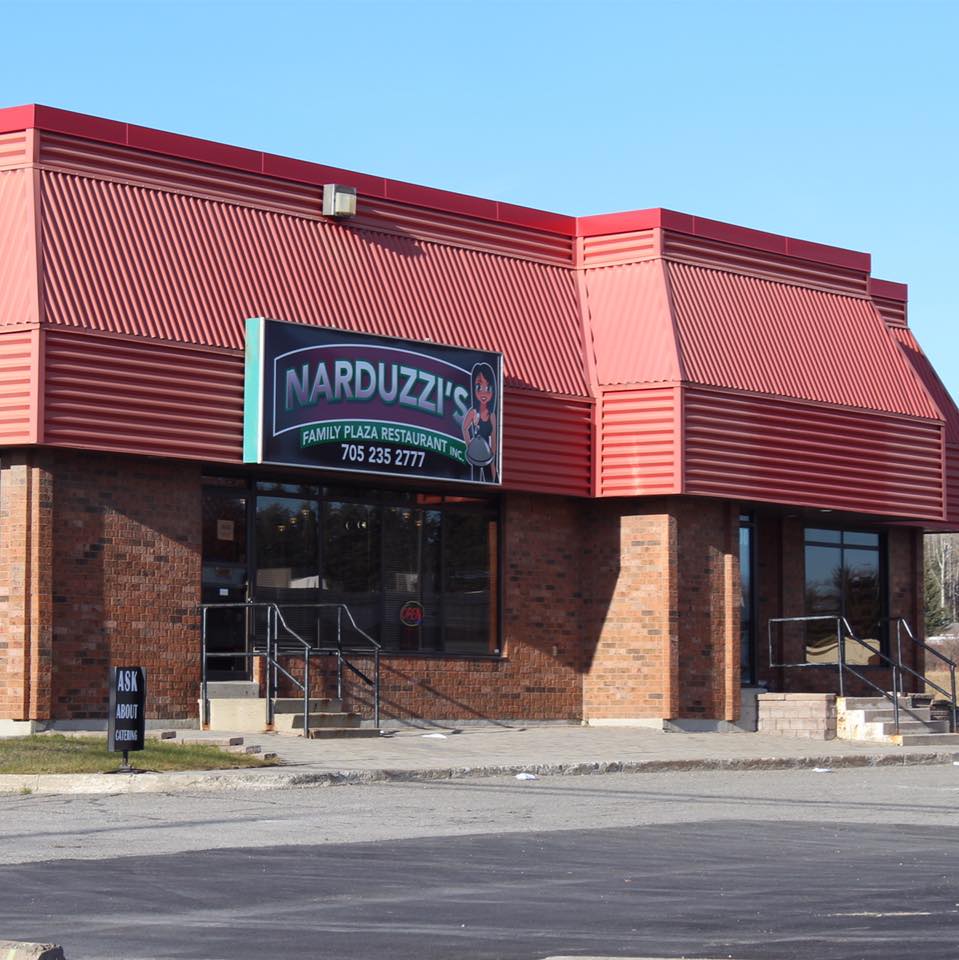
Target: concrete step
x=912, y=727
x=927, y=739
x=295, y=705
x=862, y=703
x=920, y=715
x=291, y=722
x=224, y=689
x=242, y=714
x=343, y=734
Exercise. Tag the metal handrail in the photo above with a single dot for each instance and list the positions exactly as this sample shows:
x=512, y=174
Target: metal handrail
x=275, y=619
x=841, y=663
x=339, y=650
x=902, y=622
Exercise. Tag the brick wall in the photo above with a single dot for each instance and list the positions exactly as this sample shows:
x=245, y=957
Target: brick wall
x=613, y=609
x=126, y=566
x=544, y=599
x=809, y=716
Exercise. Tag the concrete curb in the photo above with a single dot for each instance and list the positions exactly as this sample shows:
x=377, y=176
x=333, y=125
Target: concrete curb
x=100, y=783
x=20, y=950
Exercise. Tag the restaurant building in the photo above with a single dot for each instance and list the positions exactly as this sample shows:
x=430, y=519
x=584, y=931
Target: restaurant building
x=624, y=445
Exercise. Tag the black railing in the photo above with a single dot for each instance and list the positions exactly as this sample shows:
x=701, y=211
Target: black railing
x=281, y=641
x=903, y=629
x=845, y=633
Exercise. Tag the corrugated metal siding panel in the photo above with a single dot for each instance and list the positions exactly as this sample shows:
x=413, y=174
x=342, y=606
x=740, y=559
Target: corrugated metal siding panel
x=143, y=397
x=17, y=387
x=129, y=260
x=930, y=380
x=952, y=481
x=766, y=264
x=638, y=446
x=601, y=251
x=15, y=148
x=17, y=273
x=156, y=171
x=893, y=312
x=412, y=221
x=138, y=396
x=632, y=325
x=765, y=337
x=547, y=444
x=89, y=158
x=769, y=450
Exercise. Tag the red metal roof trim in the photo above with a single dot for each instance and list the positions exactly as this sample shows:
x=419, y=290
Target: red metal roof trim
x=258, y=162
x=255, y=161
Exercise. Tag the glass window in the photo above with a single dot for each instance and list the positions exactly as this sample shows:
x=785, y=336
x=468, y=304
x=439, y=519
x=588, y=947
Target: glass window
x=351, y=561
x=844, y=580
x=412, y=616
x=286, y=544
x=224, y=526
x=852, y=538
x=469, y=569
x=823, y=536
x=418, y=572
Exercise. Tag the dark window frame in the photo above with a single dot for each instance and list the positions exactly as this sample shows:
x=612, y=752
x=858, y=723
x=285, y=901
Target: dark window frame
x=880, y=548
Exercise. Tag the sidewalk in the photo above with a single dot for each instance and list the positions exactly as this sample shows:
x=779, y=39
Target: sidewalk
x=493, y=751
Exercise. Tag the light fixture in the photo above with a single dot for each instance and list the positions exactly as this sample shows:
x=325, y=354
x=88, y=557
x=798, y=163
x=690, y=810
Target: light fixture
x=338, y=200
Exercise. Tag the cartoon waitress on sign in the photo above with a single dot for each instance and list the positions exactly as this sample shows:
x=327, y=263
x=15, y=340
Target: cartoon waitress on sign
x=479, y=425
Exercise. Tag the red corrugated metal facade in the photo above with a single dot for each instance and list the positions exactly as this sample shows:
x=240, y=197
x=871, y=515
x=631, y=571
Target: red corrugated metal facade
x=645, y=353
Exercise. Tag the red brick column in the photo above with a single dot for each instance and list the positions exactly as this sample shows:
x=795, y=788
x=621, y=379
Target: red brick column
x=708, y=605
x=26, y=627
x=631, y=642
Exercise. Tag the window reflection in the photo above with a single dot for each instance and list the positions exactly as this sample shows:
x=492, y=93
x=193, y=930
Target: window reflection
x=418, y=571
x=844, y=581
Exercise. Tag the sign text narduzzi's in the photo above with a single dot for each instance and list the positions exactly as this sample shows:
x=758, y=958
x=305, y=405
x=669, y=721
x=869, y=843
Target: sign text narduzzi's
x=345, y=401
x=128, y=693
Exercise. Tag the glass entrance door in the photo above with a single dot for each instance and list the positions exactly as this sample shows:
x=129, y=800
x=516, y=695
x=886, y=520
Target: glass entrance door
x=225, y=581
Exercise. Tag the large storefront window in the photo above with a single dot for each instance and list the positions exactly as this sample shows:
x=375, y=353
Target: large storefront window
x=844, y=577
x=418, y=572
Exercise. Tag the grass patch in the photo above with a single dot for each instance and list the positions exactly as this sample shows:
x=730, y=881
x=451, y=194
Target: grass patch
x=54, y=753
x=940, y=677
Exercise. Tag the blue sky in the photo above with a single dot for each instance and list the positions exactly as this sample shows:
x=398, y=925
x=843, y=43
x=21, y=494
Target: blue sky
x=830, y=121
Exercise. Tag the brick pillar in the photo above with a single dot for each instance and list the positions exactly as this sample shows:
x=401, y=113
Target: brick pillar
x=26, y=570
x=707, y=555
x=629, y=670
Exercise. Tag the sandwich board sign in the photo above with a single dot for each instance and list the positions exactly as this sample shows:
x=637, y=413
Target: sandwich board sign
x=128, y=694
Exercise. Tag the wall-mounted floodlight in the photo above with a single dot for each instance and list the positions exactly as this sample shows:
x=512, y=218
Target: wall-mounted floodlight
x=338, y=201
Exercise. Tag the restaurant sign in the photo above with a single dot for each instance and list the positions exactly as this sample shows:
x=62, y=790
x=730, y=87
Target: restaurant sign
x=316, y=397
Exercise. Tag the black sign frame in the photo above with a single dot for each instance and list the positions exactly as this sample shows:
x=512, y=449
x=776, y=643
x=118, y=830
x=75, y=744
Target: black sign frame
x=323, y=398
